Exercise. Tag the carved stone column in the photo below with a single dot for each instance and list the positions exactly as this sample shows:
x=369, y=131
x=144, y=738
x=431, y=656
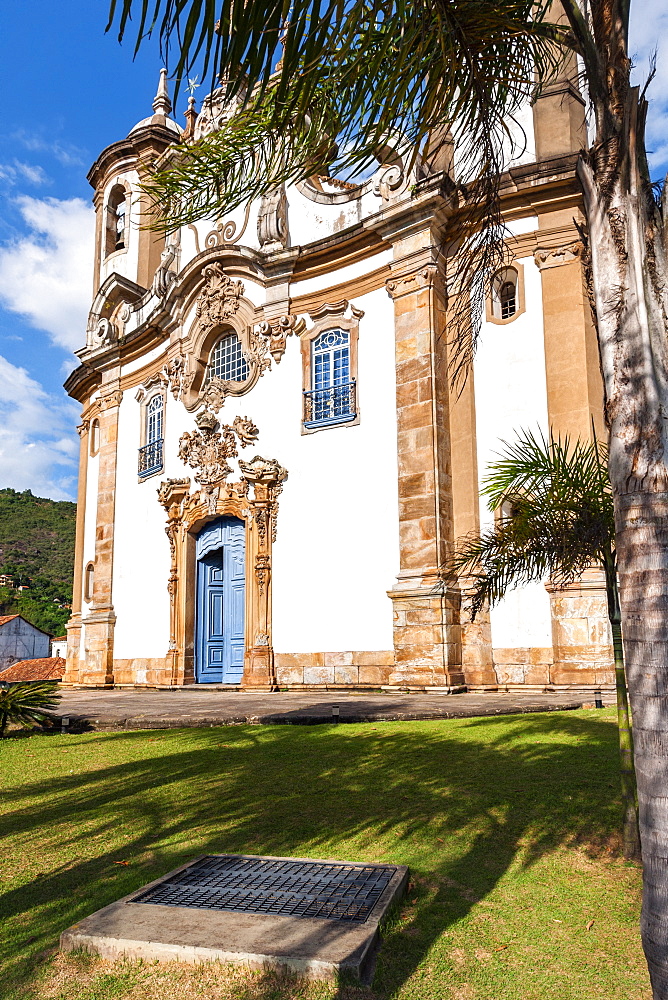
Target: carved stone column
x=74, y=627
x=427, y=639
x=98, y=667
x=267, y=479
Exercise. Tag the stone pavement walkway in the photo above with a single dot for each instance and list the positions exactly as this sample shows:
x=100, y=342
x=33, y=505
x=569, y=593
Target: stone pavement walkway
x=193, y=707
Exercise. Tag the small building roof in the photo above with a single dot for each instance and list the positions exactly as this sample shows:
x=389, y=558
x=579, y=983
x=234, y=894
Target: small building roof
x=48, y=668
x=9, y=618
x=59, y=638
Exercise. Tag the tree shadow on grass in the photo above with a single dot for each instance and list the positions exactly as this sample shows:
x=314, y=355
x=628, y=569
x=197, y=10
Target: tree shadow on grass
x=456, y=801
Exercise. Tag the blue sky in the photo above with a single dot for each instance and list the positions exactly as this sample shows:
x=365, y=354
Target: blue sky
x=68, y=91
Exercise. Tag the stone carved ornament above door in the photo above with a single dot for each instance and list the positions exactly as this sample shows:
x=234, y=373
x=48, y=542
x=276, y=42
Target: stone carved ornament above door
x=221, y=308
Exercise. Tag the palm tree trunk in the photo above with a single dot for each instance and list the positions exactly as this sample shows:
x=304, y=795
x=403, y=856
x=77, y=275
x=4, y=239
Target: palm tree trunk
x=630, y=289
x=631, y=832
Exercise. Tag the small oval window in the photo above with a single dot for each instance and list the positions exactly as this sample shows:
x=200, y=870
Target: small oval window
x=94, y=437
x=89, y=581
x=227, y=360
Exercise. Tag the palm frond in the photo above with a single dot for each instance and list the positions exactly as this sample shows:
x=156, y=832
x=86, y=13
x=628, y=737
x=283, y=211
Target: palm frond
x=27, y=702
x=351, y=73
x=554, y=517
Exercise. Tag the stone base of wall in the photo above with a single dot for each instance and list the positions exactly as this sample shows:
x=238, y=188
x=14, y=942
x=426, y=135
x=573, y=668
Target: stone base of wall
x=537, y=666
x=351, y=669
x=368, y=670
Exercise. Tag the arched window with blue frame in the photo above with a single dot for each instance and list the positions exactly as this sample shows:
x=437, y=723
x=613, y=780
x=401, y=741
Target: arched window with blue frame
x=151, y=454
x=331, y=398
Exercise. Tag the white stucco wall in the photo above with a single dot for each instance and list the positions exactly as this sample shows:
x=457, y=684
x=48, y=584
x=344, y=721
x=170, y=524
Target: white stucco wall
x=337, y=551
x=511, y=395
x=141, y=548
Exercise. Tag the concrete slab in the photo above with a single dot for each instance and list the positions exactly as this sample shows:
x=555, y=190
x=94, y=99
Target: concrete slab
x=313, y=947
x=194, y=707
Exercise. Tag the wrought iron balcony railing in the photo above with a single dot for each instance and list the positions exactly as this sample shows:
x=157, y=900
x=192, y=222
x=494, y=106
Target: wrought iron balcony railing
x=335, y=405
x=150, y=458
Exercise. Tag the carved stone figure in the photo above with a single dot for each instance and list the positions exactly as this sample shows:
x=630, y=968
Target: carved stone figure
x=272, y=220
x=213, y=394
x=220, y=297
x=245, y=430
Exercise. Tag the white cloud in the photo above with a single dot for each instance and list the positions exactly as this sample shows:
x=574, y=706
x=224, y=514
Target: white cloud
x=46, y=276
x=17, y=171
x=66, y=154
x=38, y=445
x=649, y=36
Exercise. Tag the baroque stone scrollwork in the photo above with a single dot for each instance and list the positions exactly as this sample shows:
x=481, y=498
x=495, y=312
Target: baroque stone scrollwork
x=267, y=477
x=262, y=569
x=208, y=448
x=164, y=275
x=545, y=258
x=275, y=332
x=219, y=299
x=226, y=232
x=405, y=283
x=178, y=375
x=110, y=399
x=102, y=333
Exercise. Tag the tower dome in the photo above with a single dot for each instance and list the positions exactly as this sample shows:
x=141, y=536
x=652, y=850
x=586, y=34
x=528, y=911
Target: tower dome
x=162, y=106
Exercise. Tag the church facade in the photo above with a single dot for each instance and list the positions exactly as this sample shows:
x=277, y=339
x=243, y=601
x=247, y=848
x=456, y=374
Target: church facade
x=273, y=465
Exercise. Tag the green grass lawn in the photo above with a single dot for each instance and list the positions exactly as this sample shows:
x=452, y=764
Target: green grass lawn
x=509, y=826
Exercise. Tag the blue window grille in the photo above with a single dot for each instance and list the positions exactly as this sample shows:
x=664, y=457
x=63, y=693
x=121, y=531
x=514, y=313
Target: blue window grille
x=332, y=397
x=227, y=361
x=151, y=455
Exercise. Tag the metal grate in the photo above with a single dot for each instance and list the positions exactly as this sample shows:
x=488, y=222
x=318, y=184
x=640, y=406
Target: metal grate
x=150, y=458
x=334, y=405
x=285, y=888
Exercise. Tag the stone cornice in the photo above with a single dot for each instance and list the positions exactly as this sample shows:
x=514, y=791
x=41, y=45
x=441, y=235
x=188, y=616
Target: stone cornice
x=147, y=141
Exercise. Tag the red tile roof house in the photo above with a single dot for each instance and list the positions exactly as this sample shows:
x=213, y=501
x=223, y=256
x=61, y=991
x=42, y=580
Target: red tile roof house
x=47, y=668
x=19, y=640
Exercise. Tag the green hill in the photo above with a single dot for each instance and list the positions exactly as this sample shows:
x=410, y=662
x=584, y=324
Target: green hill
x=37, y=551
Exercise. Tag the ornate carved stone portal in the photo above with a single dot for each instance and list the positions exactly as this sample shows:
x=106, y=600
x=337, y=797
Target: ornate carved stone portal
x=254, y=500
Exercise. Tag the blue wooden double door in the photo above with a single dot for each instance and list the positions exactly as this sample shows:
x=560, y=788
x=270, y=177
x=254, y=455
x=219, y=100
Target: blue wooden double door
x=221, y=585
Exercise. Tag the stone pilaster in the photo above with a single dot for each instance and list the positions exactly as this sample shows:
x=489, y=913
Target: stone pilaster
x=572, y=371
x=98, y=667
x=74, y=627
x=559, y=112
x=427, y=636
x=476, y=636
x=581, y=632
